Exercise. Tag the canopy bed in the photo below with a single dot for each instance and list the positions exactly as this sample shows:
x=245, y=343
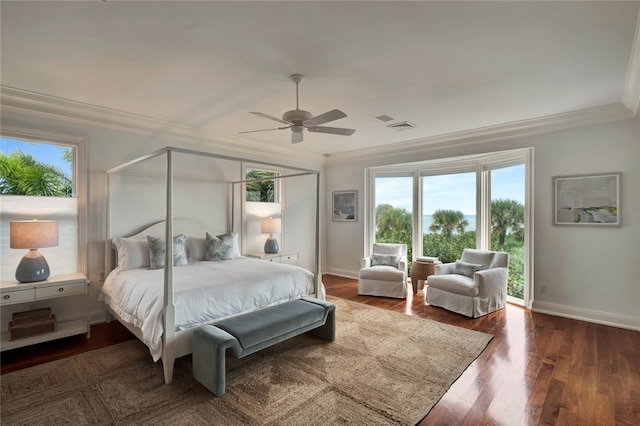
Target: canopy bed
x=163, y=296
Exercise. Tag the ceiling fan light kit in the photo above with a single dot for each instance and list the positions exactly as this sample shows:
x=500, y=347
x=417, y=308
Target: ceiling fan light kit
x=297, y=119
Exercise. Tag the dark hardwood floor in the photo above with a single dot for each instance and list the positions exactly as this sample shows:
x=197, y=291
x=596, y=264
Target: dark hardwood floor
x=537, y=370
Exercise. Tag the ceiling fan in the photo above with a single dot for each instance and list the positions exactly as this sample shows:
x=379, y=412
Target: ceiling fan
x=297, y=119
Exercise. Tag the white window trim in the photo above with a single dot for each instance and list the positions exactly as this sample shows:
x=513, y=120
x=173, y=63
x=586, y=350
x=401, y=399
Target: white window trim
x=80, y=177
x=277, y=197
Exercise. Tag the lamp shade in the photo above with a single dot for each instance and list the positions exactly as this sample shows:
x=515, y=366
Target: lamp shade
x=33, y=234
x=271, y=226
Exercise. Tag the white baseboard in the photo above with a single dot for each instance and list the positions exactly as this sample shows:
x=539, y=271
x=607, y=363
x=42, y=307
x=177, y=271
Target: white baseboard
x=589, y=315
x=345, y=273
x=98, y=317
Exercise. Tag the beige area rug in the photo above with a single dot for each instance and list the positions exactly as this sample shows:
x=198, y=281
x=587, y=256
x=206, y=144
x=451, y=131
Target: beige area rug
x=384, y=368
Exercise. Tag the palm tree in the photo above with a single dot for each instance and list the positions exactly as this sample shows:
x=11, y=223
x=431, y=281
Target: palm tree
x=446, y=221
x=22, y=174
x=507, y=215
x=393, y=224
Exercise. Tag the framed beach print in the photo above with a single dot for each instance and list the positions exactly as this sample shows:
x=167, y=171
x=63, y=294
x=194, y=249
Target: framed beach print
x=592, y=200
x=345, y=206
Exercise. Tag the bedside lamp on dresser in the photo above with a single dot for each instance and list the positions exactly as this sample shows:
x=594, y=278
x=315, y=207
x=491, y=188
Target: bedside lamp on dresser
x=271, y=226
x=32, y=235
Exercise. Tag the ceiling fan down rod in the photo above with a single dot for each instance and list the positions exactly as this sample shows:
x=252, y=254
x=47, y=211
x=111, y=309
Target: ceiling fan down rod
x=297, y=79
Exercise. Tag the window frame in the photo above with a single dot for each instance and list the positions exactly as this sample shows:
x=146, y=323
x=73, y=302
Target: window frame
x=80, y=178
x=277, y=196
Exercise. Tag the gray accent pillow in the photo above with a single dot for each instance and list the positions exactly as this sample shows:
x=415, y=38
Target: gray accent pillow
x=157, y=251
x=219, y=247
x=385, y=259
x=468, y=269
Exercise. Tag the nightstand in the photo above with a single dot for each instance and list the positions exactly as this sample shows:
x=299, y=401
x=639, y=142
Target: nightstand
x=13, y=292
x=288, y=257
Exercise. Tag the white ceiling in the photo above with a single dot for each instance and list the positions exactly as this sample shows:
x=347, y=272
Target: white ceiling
x=444, y=66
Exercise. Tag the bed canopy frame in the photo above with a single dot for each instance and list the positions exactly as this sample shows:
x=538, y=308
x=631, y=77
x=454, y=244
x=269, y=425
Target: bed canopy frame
x=169, y=349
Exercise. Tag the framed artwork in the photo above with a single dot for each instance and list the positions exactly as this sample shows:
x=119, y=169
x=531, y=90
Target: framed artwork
x=591, y=200
x=345, y=206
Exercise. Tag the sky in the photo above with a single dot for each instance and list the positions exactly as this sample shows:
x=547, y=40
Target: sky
x=451, y=191
x=43, y=152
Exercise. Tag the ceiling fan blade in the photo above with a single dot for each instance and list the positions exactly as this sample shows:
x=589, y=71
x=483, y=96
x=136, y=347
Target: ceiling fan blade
x=296, y=137
x=270, y=117
x=334, y=114
x=332, y=130
x=264, y=130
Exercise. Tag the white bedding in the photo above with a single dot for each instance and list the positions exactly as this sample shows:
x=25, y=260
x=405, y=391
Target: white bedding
x=203, y=292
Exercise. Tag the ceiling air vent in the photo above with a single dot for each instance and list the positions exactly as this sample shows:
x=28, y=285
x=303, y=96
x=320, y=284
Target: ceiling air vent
x=403, y=125
x=384, y=118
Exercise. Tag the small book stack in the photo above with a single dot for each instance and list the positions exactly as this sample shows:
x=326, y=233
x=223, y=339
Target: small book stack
x=31, y=323
x=427, y=259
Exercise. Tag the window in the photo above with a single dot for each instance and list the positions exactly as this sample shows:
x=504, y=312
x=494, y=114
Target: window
x=478, y=201
x=393, y=210
x=262, y=190
x=448, y=214
x=42, y=177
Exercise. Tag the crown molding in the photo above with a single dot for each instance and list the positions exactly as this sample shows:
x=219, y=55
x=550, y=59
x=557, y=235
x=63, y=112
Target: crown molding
x=631, y=94
x=25, y=102
x=534, y=126
x=31, y=103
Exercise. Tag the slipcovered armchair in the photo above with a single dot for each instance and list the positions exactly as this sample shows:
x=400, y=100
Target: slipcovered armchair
x=384, y=273
x=473, y=286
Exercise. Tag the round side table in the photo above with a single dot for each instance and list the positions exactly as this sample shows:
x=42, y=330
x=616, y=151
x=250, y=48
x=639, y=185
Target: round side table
x=420, y=271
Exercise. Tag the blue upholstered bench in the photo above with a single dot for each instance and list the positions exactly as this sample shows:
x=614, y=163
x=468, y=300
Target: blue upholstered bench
x=256, y=330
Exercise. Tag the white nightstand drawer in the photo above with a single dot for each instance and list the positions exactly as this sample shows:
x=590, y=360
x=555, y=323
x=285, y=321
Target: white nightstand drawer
x=289, y=258
x=17, y=296
x=60, y=290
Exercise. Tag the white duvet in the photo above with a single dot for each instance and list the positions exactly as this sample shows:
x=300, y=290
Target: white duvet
x=203, y=292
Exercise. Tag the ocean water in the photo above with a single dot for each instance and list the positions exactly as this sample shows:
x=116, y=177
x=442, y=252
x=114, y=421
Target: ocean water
x=427, y=220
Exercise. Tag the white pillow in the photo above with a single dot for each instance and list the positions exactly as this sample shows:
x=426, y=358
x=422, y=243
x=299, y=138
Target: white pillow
x=132, y=253
x=236, y=245
x=195, y=248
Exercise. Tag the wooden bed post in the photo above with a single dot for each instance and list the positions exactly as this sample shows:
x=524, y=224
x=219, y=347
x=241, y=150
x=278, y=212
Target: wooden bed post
x=168, y=347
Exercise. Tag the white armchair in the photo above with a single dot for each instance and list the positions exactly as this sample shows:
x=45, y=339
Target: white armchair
x=384, y=273
x=473, y=286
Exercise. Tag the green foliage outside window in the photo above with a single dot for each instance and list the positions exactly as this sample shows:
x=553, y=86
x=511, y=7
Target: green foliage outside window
x=262, y=190
x=22, y=174
x=448, y=222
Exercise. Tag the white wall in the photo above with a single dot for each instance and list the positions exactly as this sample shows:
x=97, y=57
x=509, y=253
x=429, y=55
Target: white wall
x=110, y=143
x=590, y=273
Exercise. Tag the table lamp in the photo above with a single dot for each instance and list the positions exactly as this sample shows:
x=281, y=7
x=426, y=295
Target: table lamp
x=32, y=235
x=271, y=226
